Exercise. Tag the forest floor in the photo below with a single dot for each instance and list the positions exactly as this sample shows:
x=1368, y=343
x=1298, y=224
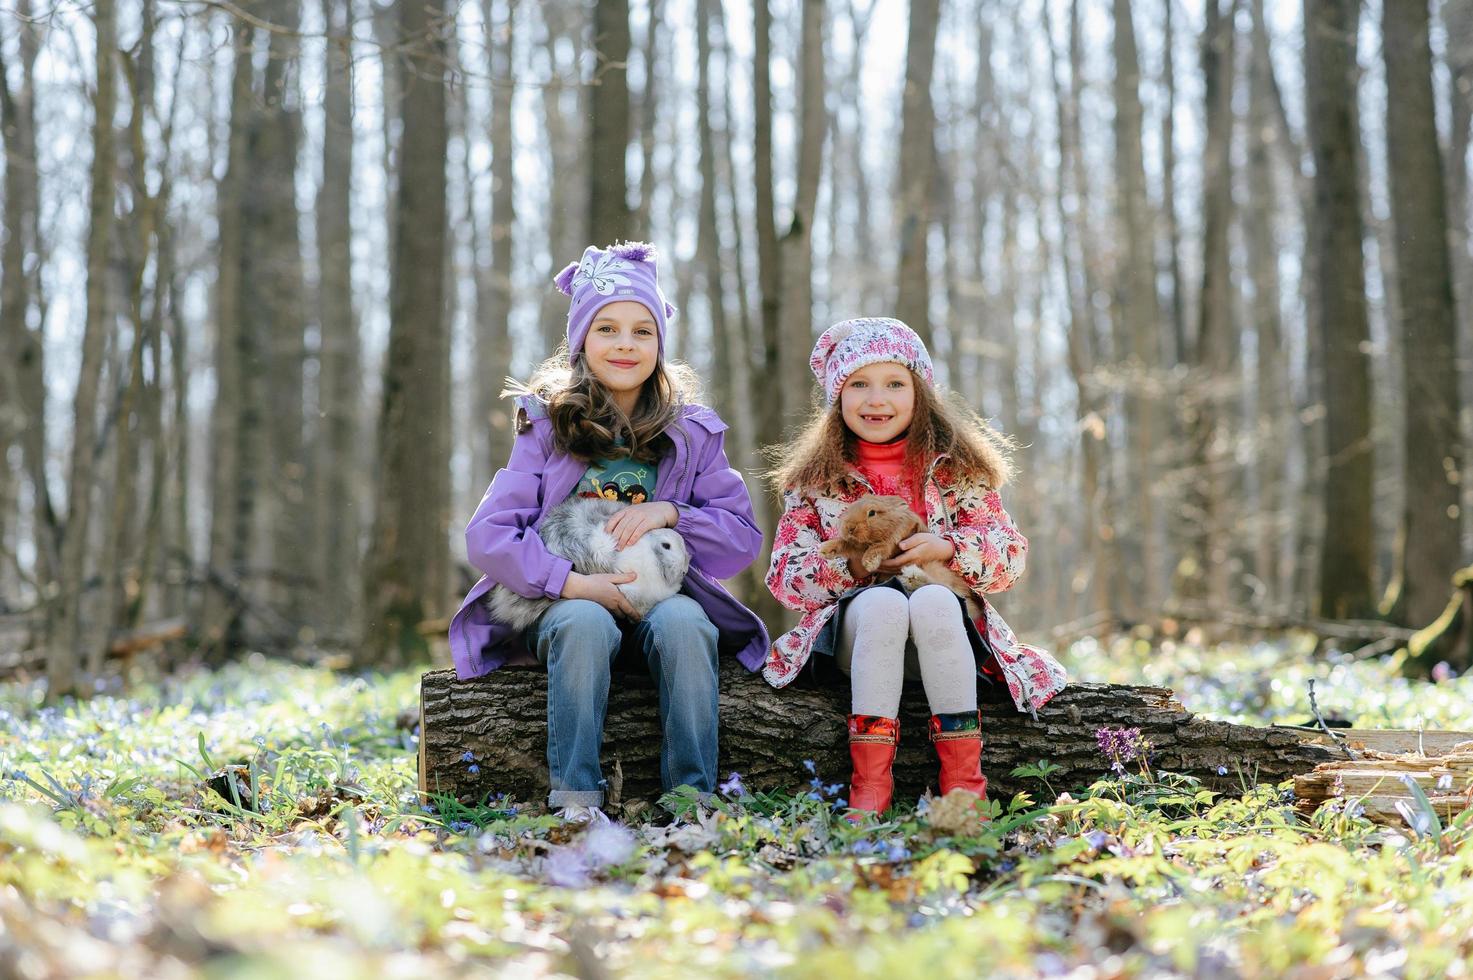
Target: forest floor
x=116, y=861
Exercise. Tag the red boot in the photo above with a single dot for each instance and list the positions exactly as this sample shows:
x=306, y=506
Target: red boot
x=958, y=741
x=872, y=742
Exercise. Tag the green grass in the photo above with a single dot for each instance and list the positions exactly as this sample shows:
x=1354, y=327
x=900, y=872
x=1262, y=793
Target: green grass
x=115, y=861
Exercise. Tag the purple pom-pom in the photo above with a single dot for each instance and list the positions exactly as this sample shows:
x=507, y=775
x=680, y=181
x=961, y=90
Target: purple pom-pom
x=564, y=280
x=634, y=251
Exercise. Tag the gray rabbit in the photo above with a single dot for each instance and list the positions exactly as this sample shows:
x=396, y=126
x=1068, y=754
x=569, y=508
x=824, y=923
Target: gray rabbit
x=574, y=529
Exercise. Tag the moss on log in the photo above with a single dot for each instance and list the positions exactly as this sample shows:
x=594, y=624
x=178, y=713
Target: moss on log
x=766, y=735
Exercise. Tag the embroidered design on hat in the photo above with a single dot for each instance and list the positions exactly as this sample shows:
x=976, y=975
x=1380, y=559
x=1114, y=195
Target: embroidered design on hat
x=602, y=274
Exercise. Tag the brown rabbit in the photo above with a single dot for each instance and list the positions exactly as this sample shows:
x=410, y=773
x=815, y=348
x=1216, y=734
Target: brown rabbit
x=871, y=529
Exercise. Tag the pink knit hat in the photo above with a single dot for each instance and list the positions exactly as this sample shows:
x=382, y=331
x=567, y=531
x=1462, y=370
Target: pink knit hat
x=625, y=270
x=849, y=345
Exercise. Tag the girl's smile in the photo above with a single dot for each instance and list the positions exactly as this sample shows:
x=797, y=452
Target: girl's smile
x=622, y=349
x=878, y=401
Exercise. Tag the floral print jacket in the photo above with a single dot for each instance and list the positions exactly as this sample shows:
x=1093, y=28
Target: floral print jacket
x=990, y=555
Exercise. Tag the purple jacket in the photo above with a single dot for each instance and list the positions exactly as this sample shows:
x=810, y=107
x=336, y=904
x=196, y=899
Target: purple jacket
x=502, y=541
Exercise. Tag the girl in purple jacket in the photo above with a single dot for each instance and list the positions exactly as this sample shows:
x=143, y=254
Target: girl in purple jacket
x=608, y=416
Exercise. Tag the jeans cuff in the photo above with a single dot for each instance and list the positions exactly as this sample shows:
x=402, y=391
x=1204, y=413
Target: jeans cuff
x=575, y=797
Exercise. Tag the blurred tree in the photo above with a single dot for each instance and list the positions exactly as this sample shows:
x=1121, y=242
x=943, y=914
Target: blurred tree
x=609, y=219
x=406, y=571
x=1330, y=28
x=1428, y=549
x=914, y=192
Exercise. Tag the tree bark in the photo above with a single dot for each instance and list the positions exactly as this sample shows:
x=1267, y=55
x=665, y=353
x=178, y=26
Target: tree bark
x=649, y=103
x=1138, y=312
x=567, y=185
x=20, y=345
x=496, y=321
x=1205, y=572
x=769, y=736
x=65, y=627
x=917, y=125
x=1080, y=340
x=231, y=482
x=1273, y=417
x=339, y=466
x=406, y=571
x=609, y=219
x=1427, y=544
x=1329, y=65
x=277, y=314
x=729, y=385
x=795, y=328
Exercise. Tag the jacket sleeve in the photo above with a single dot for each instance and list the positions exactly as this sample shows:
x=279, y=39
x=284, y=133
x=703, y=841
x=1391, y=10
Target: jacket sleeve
x=800, y=576
x=717, y=522
x=499, y=539
x=990, y=551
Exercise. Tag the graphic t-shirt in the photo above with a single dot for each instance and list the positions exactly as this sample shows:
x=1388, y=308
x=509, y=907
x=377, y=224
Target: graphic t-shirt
x=621, y=478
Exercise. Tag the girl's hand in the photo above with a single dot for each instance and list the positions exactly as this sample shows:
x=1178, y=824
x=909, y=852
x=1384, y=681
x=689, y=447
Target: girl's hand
x=630, y=524
x=918, y=549
x=604, y=590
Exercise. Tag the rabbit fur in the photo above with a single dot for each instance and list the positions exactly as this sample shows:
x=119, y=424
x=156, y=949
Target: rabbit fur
x=871, y=529
x=574, y=530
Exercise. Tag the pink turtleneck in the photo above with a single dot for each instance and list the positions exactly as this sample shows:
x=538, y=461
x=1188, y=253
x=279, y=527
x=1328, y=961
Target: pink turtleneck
x=883, y=464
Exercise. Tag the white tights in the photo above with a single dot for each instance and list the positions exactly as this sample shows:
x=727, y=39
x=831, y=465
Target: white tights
x=874, y=651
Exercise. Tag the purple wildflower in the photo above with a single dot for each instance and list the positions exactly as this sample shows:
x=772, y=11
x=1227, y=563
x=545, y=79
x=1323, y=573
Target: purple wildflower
x=733, y=786
x=467, y=756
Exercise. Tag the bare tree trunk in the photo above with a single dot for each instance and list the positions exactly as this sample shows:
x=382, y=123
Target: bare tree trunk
x=1428, y=546
x=228, y=475
x=1210, y=487
x=496, y=321
x=1458, y=21
x=741, y=356
x=278, y=316
x=917, y=158
x=65, y=626
x=1139, y=312
x=1088, y=421
x=608, y=140
x=118, y=568
x=406, y=570
x=770, y=407
x=796, y=246
x=1274, y=421
x=567, y=209
x=1168, y=187
x=20, y=346
x=708, y=242
x=649, y=103
x=1329, y=66
x=339, y=464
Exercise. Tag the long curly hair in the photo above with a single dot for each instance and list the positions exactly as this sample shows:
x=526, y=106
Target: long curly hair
x=822, y=456
x=588, y=425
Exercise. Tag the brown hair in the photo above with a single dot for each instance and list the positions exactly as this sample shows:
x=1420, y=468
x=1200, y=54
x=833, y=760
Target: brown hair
x=585, y=421
x=820, y=459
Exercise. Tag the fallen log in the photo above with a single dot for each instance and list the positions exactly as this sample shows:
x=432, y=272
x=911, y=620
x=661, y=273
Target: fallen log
x=1377, y=781
x=488, y=736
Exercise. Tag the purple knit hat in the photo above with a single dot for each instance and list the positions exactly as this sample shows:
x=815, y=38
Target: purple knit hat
x=622, y=271
x=850, y=345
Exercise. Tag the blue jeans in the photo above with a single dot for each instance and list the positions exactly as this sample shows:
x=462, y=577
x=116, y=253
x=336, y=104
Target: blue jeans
x=577, y=639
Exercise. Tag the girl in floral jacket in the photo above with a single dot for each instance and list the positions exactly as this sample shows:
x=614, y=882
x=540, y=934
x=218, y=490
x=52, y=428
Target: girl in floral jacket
x=888, y=431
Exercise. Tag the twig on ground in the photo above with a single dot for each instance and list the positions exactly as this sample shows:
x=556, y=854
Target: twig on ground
x=1336, y=739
